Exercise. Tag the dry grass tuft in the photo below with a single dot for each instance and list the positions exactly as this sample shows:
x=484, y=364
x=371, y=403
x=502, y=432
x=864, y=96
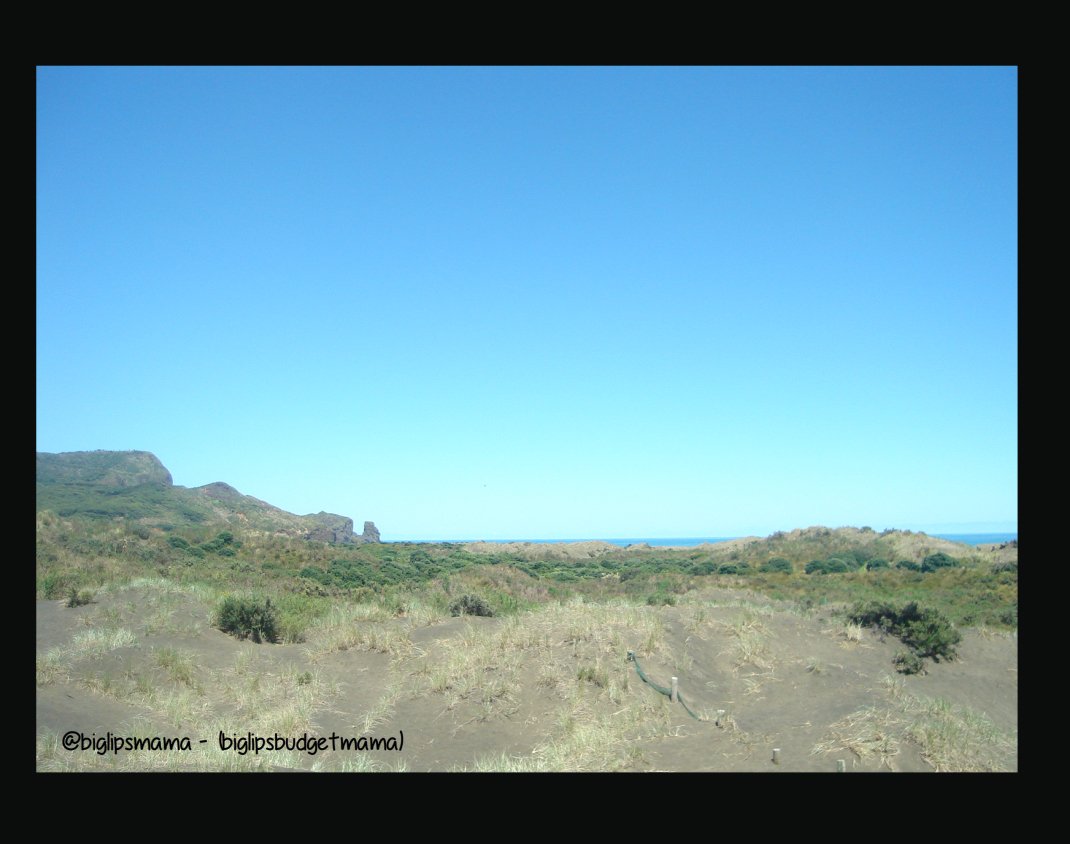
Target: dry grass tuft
x=867, y=733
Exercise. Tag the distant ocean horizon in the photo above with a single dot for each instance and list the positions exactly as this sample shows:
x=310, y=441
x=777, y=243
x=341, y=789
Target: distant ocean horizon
x=965, y=538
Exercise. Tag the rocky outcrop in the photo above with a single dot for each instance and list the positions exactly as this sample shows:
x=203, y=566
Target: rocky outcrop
x=371, y=533
x=331, y=528
x=135, y=485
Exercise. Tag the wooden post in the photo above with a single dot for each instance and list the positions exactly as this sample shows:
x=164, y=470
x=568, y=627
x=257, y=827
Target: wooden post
x=675, y=696
x=720, y=717
x=776, y=755
x=841, y=766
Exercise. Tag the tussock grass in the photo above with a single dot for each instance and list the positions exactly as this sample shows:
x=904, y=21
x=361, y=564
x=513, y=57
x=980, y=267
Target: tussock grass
x=949, y=737
x=868, y=733
x=93, y=644
x=748, y=642
x=575, y=644
x=366, y=627
x=384, y=707
x=201, y=591
x=358, y=764
x=852, y=633
x=953, y=737
x=268, y=702
x=178, y=664
x=580, y=651
x=51, y=665
x=586, y=741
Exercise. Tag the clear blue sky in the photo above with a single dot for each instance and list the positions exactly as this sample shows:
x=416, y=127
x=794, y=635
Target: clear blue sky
x=541, y=302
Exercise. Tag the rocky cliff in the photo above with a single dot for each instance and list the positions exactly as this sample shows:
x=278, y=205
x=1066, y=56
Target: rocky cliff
x=135, y=485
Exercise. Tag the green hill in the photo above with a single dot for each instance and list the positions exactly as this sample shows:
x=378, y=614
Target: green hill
x=135, y=485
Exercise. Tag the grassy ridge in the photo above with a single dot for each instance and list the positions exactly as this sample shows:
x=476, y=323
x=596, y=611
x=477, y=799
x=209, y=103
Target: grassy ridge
x=79, y=553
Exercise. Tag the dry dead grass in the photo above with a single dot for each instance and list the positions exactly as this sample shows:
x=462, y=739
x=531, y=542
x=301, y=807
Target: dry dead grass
x=949, y=737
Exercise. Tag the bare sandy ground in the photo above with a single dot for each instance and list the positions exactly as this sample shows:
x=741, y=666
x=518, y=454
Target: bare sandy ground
x=547, y=690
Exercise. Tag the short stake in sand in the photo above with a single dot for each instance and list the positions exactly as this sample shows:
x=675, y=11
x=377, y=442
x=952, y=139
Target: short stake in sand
x=675, y=690
x=841, y=766
x=776, y=755
x=720, y=717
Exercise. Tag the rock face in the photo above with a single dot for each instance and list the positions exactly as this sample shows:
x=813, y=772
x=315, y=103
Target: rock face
x=136, y=485
x=371, y=533
x=331, y=528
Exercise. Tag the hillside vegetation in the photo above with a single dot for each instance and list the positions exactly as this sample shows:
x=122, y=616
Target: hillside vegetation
x=169, y=607
x=136, y=487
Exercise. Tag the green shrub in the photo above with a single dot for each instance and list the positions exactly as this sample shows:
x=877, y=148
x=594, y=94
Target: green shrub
x=908, y=565
x=928, y=633
x=776, y=564
x=938, y=561
x=224, y=544
x=830, y=566
x=876, y=563
x=79, y=598
x=661, y=599
x=908, y=663
x=248, y=618
x=51, y=585
x=470, y=605
x=1009, y=566
x=734, y=568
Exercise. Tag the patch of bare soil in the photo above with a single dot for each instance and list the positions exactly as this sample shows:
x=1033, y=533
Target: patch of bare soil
x=548, y=690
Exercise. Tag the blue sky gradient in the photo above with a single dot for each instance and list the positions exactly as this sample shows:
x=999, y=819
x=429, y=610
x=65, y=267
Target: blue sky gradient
x=541, y=302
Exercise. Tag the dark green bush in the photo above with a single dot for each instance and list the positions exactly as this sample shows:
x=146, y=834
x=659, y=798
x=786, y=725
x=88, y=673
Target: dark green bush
x=223, y=544
x=1010, y=566
x=470, y=605
x=830, y=566
x=876, y=563
x=908, y=663
x=936, y=561
x=928, y=633
x=661, y=599
x=734, y=568
x=908, y=565
x=776, y=564
x=248, y=618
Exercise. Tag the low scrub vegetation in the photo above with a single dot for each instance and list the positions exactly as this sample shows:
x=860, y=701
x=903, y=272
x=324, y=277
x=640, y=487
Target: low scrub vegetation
x=926, y=632
x=248, y=618
x=470, y=605
x=304, y=578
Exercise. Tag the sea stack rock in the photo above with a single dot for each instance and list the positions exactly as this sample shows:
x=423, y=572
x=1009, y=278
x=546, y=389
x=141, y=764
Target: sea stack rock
x=371, y=532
